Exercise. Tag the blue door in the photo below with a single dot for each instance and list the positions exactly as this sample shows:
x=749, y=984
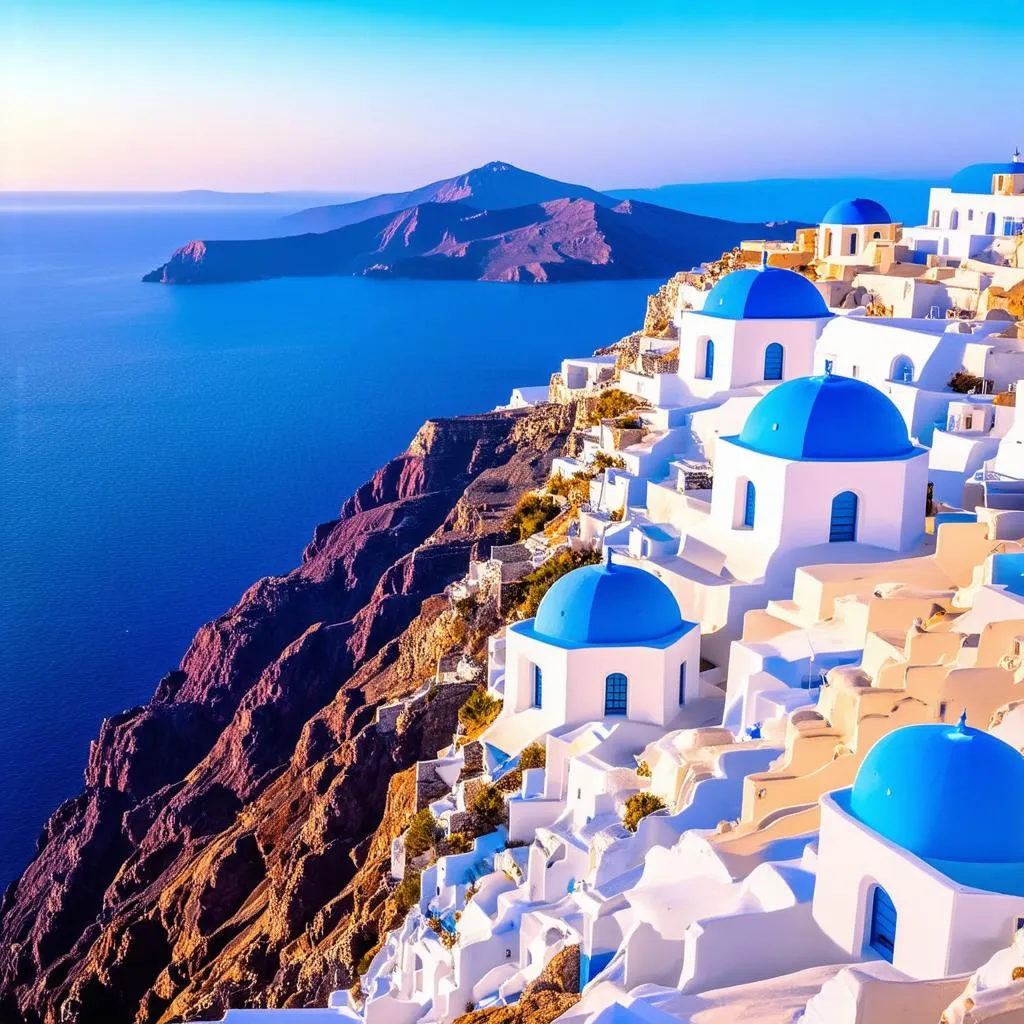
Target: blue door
x=844, y=517
x=882, y=935
x=773, y=362
x=538, y=686
x=709, y=359
x=748, y=505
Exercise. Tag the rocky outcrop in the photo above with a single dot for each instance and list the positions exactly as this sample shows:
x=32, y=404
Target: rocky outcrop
x=228, y=846
x=554, y=992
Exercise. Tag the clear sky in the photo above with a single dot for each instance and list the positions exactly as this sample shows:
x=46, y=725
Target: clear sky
x=388, y=94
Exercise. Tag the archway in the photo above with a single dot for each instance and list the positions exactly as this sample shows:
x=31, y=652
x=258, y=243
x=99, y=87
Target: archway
x=902, y=369
x=843, y=522
x=882, y=930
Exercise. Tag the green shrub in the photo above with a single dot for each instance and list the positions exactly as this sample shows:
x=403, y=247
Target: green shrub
x=533, y=756
x=407, y=892
x=478, y=712
x=367, y=958
x=576, y=489
x=459, y=842
x=489, y=807
x=638, y=806
x=532, y=514
x=422, y=833
x=603, y=461
x=964, y=382
x=526, y=594
x=465, y=606
x=612, y=403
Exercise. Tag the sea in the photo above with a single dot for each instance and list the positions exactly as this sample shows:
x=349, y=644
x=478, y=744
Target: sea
x=161, y=448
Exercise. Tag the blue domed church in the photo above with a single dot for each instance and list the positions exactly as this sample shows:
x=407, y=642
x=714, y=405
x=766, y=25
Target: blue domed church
x=921, y=861
x=608, y=642
x=757, y=326
x=822, y=460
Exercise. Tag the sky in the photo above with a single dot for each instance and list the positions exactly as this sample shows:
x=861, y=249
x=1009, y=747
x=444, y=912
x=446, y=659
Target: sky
x=389, y=94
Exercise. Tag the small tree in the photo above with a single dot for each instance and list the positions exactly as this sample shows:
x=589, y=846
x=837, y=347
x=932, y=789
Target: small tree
x=478, y=711
x=532, y=756
x=963, y=382
x=422, y=833
x=638, y=806
x=407, y=892
x=489, y=807
x=532, y=514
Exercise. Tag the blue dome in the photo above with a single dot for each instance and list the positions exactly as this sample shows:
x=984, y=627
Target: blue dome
x=829, y=417
x=608, y=604
x=976, y=179
x=767, y=293
x=947, y=793
x=857, y=211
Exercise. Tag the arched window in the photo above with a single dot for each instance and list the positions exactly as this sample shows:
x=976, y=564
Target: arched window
x=882, y=931
x=615, y=687
x=877, y=235
x=853, y=243
x=843, y=525
x=935, y=218
x=773, y=361
x=828, y=243
x=954, y=220
x=990, y=224
x=902, y=370
x=709, y=359
x=682, y=684
x=749, y=502
x=538, y=686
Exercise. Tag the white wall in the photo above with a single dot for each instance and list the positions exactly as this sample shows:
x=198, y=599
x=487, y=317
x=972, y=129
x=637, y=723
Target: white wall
x=573, y=681
x=793, y=505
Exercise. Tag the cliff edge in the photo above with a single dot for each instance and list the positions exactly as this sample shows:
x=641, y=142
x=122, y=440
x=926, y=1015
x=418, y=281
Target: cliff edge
x=229, y=842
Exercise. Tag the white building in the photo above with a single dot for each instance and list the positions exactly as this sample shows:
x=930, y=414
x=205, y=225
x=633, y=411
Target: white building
x=983, y=205
x=608, y=641
x=756, y=326
x=849, y=228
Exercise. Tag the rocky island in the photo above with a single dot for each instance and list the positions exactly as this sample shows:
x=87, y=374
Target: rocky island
x=495, y=223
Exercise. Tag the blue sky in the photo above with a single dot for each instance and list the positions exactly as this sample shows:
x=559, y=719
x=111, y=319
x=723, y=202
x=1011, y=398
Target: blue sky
x=297, y=94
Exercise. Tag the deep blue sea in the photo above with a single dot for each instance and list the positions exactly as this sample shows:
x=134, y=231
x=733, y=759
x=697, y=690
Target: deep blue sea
x=162, y=448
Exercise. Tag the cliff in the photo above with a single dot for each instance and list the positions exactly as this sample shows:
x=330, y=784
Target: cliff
x=565, y=239
x=229, y=842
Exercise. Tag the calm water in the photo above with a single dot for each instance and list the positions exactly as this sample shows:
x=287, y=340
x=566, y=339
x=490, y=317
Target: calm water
x=162, y=448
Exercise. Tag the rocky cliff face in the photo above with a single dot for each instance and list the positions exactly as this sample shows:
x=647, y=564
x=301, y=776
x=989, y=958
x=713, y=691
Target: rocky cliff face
x=228, y=846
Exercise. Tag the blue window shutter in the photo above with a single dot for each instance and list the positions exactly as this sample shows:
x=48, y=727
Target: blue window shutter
x=749, y=504
x=682, y=684
x=773, y=361
x=882, y=936
x=843, y=525
x=538, y=686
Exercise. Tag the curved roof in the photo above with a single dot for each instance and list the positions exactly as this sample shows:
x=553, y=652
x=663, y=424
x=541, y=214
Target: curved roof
x=977, y=178
x=608, y=604
x=827, y=417
x=857, y=211
x=946, y=793
x=767, y=293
